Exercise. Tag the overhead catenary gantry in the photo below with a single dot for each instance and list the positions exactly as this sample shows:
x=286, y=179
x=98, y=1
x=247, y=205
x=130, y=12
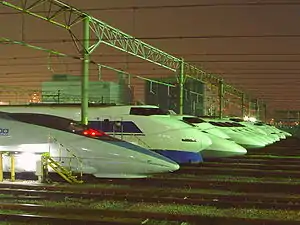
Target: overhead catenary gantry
x=66, y=17
x=60, y=54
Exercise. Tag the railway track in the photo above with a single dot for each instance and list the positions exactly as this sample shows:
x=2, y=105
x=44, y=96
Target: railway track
x=193, y=183
x=263, y=160
x=247, y=165
x=57, y=219
x=227, y=169
x=255, y=181
x=52, y=215
x=182, y=197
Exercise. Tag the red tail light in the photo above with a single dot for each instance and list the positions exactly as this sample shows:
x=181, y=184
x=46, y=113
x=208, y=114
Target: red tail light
x=93, y=133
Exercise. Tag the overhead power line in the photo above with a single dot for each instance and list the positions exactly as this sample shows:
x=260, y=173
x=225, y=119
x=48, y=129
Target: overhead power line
x=204, y=36
x=151, y=71
x=181, y=54
x=142, y=62
x=254, y=69
x=247, y=4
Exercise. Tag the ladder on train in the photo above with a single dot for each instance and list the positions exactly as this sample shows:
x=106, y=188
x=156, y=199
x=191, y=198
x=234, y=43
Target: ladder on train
x=60, y=170
x=65, y=173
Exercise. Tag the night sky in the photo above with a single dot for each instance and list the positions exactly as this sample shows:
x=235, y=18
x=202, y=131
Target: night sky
x=253, y=47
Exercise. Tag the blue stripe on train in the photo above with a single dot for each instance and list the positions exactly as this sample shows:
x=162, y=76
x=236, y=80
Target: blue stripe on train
x=137, y=148
x=129, y=128
x=181, y=156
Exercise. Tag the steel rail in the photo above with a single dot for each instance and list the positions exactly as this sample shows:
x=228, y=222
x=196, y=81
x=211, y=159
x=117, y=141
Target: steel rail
x=59, y=220
x=245, y=165
x=259, y=160
x=188, y=183
x=257, y=173
x=197, y=219
x=160, y=196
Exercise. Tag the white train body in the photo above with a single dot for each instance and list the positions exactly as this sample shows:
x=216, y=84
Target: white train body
x=271, y=130
x=258, y=131
x=96, y=153
x=146, y=126
x=238, y=135
x=220, y=147
x=247, y=131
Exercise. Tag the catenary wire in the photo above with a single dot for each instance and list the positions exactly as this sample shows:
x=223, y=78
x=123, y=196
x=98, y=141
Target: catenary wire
x=248, y=4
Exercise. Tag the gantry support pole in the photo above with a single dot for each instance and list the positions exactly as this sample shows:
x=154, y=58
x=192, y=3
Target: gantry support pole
x=221, y=98
x=249, y=107
x=85, y=71
x=265, y=108
x=12, y=167
x=181, y=87
x=1, y=167
x=243, y=105
x=257, y=109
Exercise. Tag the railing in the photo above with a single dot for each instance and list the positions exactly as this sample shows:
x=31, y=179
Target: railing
x=76, y=167
x=140, y=142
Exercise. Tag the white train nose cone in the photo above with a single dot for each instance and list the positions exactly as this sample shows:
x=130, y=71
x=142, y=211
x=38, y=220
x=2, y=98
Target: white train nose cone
x=247, y=142
x=222, y=148
x=260, y=138
x=155, y=166
x=205, y=141
x=286, y=133
x=199, y=139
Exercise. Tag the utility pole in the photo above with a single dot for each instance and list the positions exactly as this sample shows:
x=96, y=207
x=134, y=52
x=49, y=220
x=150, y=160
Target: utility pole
x=181, y=87
x=243, y=105
x=265, y=107
x=221, y=98
x=257, y=109
x=85, y=71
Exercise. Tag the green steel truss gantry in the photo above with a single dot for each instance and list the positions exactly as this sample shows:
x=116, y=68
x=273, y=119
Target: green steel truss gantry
x=66, y=17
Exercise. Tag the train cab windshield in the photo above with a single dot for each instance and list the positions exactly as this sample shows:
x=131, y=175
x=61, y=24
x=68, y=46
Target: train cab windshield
x=237, y=120
x=193, y=120
x=143, y=111
x=218, y=124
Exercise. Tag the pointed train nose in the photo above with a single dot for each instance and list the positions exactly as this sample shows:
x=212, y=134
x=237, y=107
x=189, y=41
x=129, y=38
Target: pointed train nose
x=222, y=148
x=160, y=166
x=205, y=140
x=246, y=141
x=153, y=162
x=199, y=137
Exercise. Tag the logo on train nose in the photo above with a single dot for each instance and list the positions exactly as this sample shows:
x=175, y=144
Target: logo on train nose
x=4, y=131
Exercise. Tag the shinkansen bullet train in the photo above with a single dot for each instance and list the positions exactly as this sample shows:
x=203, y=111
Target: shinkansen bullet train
x=201, y=124
x=248, y=131
x=244, y=139
x=27, y=135
x=273, y=133
x=146, y=126
x=250, y=127
x=220, y=147
x=272, y=130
